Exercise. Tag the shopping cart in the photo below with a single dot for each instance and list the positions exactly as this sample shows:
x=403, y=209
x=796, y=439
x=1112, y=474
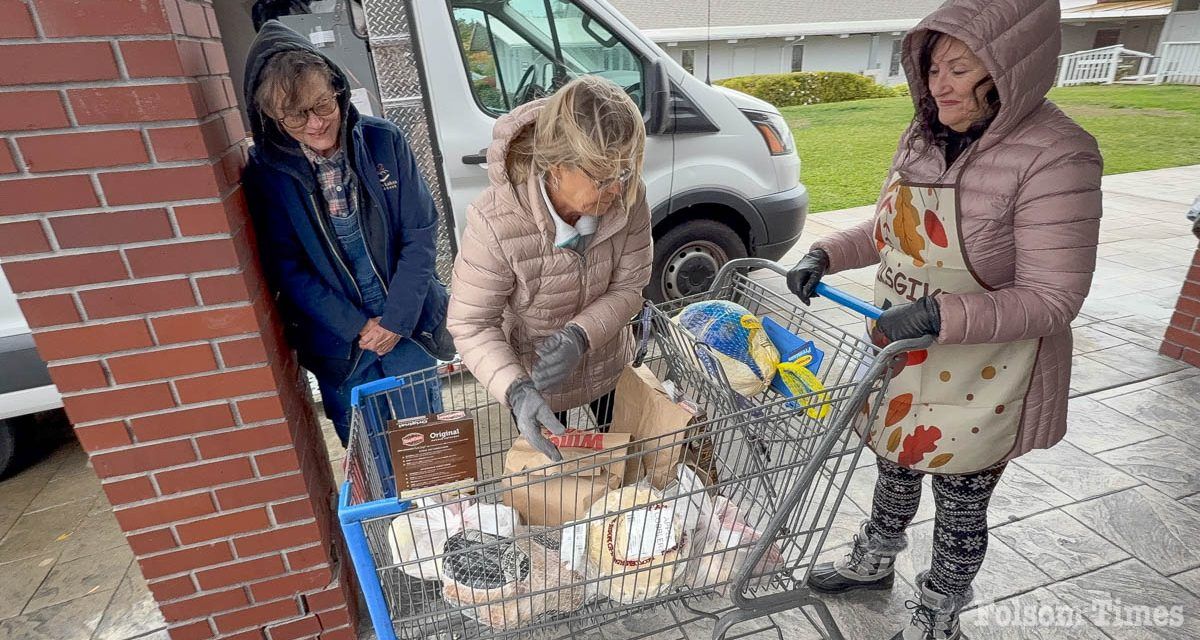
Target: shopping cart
x=778, y=465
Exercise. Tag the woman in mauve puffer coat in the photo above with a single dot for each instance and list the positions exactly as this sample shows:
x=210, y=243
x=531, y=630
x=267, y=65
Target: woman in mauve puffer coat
x=985, y=237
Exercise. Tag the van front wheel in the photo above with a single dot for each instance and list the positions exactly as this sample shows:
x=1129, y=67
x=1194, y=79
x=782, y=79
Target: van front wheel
x=688, y=257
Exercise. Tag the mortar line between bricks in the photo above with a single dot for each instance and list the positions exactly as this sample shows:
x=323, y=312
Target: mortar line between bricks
x=144, y=244
x=120, y=59
x=37, y=20
x=236, y=559
x=125, y=37
x=18, y=158
x=122, y=126
x=149, y=146
x=116, y=208
x=154, y=315
x=67, y=108
x=128, y=476
x=95, y=172
x=73, y=85
x=96, y=286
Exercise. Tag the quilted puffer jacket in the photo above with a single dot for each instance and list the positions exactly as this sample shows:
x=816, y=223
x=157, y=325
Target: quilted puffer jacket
x=1029, y=202
x=512, y=288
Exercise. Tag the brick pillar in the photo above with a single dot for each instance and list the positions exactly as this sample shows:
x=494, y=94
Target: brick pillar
x=124, y=232
x=1182, y=341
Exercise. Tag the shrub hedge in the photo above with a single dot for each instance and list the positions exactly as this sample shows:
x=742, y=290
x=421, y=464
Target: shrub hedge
x=809, y=87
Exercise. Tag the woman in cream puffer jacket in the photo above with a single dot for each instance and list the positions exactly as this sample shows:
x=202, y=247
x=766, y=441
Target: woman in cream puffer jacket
x=555, y=255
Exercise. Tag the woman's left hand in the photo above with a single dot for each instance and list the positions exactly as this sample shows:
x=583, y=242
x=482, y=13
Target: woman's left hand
x=907, y=321
x=558, y=356
x=378, y=339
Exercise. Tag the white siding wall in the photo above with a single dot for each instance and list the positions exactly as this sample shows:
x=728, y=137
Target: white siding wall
x=1139, y=35
x=1182, y=26
x=774, y=55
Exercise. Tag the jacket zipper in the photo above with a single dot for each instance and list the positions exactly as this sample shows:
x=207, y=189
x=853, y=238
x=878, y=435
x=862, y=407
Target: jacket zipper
x=333, y=248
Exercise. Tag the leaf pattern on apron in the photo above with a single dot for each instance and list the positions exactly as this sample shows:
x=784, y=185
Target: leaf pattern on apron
x=905, y=224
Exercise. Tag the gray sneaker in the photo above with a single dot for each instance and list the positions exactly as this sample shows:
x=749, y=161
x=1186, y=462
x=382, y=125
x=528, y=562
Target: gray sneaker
x=869, y=565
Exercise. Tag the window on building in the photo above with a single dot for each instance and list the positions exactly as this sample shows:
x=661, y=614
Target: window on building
x=894, y=66
x=1187, y=5
x=797, y=57
x=1106, y=38
x=687, y=58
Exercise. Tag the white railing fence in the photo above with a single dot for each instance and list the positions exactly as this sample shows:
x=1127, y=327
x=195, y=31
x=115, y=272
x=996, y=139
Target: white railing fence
x=1178, y=63
x=1102, y=66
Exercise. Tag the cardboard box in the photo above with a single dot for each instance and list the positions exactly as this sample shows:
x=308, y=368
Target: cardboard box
x=432, y=454
x=550, y=494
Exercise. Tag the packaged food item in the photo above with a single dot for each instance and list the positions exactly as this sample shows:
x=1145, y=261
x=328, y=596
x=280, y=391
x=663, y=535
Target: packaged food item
x=550, y=494
x=506, y=583
x=418, y=536
x=724, y=547
x=738, y=342
x=799, y=366
x=633, y=538
x=432, y=454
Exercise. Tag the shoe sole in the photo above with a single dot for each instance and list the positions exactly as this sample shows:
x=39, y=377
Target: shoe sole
x=882, y=585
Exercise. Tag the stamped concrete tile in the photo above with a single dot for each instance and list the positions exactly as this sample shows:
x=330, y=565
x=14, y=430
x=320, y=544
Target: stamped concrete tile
x=1164, y=463
x=1185, y=390
x=1189, y=580
x=1129, y=601
x=1094, y=427
x=21, y=579
x=132, y=611
x=1021, y=494
x=1059, y=545
x=1088, y=339
x=1004, y=573
x=1089, y=375
x=1146, y=524
x=1077, y=474
x=1135, y=337
x=1136, y=361
x=73, y=620
x=1036, y=615
x=97, y=532
x=64, y=489
x=82, y=576
x=42, y=532
x=871, y=614
x=1169, y=415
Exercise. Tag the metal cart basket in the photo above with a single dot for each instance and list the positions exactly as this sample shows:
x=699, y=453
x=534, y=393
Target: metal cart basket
x=767, y=475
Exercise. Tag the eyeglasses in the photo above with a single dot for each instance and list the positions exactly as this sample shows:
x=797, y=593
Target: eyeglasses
x=620, y=179
x=322, y=109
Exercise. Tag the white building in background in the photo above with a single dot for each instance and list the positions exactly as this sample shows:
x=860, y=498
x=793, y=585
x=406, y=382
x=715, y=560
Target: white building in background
x=724, y=38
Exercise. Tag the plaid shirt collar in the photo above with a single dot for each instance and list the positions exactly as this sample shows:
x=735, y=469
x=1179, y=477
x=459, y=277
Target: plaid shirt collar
x=333, y=177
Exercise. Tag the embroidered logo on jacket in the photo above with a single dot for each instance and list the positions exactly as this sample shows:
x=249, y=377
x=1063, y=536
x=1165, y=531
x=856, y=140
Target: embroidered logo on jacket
x=385, y=178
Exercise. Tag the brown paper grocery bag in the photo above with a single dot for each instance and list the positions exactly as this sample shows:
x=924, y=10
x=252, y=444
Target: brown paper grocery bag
x=552, y=494
x=657, y=424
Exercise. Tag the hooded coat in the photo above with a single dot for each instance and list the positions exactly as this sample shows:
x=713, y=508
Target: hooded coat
x=512, y=288
x=316, y=292
x=1029, y=202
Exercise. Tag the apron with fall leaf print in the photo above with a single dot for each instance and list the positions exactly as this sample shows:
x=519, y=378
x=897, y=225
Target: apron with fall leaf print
x=951, y=409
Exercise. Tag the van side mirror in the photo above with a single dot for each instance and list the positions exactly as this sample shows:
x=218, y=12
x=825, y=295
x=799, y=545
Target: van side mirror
x=658, y=99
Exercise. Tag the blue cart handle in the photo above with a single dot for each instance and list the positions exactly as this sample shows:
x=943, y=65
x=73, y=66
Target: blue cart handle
x=825, y=291
x=382, y=385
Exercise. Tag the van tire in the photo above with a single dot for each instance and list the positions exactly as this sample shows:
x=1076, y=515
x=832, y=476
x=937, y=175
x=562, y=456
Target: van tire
x=687, y=258
x=8, y=445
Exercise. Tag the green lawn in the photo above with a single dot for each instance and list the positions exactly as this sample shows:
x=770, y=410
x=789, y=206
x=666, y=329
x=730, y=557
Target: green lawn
x=846, y=147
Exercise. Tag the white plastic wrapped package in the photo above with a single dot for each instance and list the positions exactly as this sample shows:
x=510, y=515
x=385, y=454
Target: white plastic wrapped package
x=507, y=583
x=418, y=536
x=738, y=341
x=718, y=558
x=639, y=548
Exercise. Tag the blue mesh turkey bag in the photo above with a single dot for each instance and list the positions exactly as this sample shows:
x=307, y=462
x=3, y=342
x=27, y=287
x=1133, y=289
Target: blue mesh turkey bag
x=738, y=342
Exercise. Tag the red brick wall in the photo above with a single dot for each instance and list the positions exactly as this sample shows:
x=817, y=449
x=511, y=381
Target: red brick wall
x=123, y=231
x=1182, y=341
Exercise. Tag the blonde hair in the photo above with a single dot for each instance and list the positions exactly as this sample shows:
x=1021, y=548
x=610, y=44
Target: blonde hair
x=286, y=80
x=590, y=124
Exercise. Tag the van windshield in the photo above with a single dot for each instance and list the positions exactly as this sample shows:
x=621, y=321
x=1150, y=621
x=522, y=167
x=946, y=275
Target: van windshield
x=521, y=50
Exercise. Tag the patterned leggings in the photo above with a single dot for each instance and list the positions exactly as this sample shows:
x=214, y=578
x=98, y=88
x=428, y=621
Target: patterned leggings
x=960, y=535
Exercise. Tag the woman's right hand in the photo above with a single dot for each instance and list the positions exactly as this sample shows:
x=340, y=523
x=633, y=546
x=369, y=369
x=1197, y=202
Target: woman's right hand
x=802, y=280
x=532, y=413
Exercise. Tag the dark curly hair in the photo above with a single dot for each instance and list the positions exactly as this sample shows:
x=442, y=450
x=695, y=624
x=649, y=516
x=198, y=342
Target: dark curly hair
x=925, y=124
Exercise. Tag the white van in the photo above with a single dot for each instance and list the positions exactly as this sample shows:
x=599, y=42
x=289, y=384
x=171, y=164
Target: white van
x=25, y=386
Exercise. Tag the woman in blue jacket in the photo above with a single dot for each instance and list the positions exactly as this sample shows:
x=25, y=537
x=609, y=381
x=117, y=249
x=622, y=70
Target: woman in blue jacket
x=347, y=229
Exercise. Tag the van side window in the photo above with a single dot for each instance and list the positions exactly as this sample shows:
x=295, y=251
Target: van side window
x=515, y=51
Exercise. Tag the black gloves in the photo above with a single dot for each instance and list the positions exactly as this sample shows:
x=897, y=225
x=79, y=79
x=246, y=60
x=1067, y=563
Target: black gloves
x=906, y=321
x=802, y=280
x=558, y=356
x=532, y=413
